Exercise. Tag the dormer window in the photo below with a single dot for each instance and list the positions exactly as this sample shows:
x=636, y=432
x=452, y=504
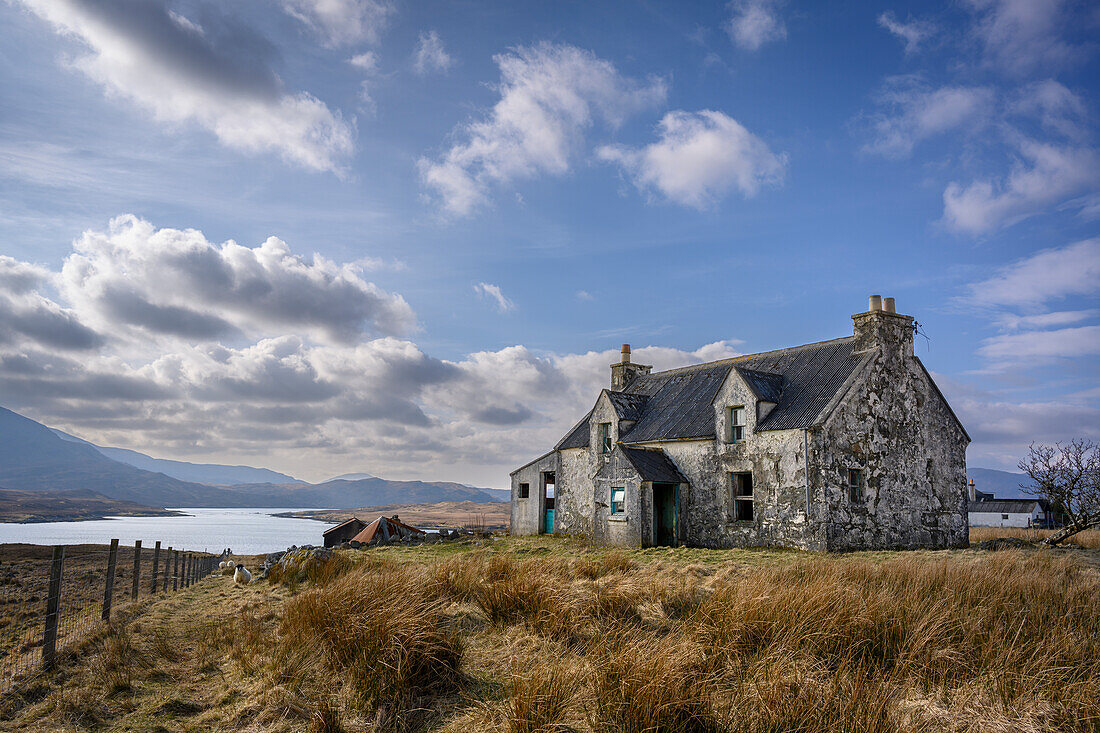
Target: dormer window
x=736, y=417
x=604, y=438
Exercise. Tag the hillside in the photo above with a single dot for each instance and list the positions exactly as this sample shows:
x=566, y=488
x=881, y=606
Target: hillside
x=34, y=458
x=214, y=474
x=1002, y=484
x=69, y=506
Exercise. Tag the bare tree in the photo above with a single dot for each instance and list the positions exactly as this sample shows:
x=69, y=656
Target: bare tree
x=1068, y=478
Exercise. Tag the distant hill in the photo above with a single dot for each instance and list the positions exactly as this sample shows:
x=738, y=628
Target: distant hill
x=350, y=477
x=69, y=506
x=499, y=494
x=1002, y=484
x=213, y=474
x=34, y=458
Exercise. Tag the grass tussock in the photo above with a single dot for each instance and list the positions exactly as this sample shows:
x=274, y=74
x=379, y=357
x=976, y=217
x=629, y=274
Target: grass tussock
x=379, y=631
x=540, y=700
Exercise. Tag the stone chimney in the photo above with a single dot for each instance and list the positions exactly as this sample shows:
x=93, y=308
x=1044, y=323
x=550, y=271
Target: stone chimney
x=881, y=327
x=971, y=492
x=623, y=373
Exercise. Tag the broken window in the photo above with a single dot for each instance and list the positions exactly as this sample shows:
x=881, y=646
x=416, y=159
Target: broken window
x=855, y=485
x=524, y=491
x=605, y=437
x=737, y=423
x=741, y=487
x=618, y=501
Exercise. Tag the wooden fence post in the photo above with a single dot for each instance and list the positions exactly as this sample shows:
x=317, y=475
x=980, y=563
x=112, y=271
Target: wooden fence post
x=137, y=568
x=176, y=571
x=187, y=570
x=156, y=562
x=167, y=560
x=53, y=607
x=109, y=586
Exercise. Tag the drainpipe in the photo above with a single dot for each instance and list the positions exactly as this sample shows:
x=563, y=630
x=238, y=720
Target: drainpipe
x=806, y=458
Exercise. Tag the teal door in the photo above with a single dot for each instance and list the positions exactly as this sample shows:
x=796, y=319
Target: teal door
x=549, y=520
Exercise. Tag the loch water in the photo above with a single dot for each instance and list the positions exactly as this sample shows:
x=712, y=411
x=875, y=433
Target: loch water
x=246, y=531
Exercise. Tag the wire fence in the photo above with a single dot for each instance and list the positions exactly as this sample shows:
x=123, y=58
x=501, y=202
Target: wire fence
x=51, y=598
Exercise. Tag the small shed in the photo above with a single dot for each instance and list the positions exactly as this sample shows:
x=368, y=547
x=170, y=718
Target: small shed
x=385, y=529
x=343, y=532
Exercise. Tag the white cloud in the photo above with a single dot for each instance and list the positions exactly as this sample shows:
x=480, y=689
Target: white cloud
x=487, y=290
x=1045, y=174
x=367, y=61
x=1021, y=36
x=1015, y=322
x=700, y=157
x=342, y=22
x=290, y=398
x=549, y=96
x=174, y=282
x=584, y=295
x=913, y=32
x=918, y=113
x=1052, y=274
x=1062, y=343
x=430, y=55
x=141, y=52
x=1057, y=108
x=753, y=23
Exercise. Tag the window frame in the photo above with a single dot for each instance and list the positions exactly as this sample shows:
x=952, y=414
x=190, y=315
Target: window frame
x=524, y=490
x=740, y=499
x=856, y=494
x=622, y=502
x=603, y=437
x=736, y=430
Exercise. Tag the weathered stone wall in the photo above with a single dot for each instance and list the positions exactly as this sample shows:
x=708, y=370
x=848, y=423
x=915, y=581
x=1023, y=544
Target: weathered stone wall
x=576, y=505
x=896, y=428
x=633, y=527
x=527, y=513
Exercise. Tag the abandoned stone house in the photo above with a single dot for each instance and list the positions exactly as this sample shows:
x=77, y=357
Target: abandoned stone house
x=837, y=445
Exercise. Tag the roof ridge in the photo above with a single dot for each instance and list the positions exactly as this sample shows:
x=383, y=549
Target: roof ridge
x=743, y=357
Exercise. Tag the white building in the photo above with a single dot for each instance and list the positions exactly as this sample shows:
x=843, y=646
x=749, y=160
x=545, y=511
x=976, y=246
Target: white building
x=1007, y=513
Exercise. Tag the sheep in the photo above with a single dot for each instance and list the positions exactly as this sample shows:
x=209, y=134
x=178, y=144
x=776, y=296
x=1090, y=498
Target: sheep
x=221, y=565
x=241, y=575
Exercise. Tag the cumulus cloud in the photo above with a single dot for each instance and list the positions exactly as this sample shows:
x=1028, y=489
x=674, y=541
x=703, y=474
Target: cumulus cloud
x=913, y=32
x=176, y=282
x=1045, y=173
x=916, y=113
x=1021, y=36
x=550, y=95
x=753, y=23
x=1057, y=109
x=215, y=74
x=246, y=355
x=1052, y=274
x=342, y=22
x=430, y=55
x=493, y=293
x=699, y=158
x=1061, y=343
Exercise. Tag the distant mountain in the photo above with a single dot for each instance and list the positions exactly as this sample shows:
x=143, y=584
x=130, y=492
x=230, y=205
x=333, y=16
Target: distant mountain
x=1002, y=484
x=350, y=477
x=499, y=494
x=34, y=458
x=213, y=474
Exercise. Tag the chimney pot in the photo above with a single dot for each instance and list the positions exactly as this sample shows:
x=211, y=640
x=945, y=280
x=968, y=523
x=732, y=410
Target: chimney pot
x=888, y=305
x=874, y=303
x=626, y=353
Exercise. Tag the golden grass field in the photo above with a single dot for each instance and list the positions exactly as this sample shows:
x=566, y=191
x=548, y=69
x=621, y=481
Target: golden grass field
x=549, y=634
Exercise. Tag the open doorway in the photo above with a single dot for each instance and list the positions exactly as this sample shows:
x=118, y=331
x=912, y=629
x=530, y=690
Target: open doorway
x=665, y=514
x=549, y=486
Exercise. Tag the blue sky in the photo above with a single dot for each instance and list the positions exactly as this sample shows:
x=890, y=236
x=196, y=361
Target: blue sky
x=409, y=238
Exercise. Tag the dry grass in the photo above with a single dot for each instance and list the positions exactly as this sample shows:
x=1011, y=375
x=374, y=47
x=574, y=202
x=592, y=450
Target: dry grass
x=478, y=639
x=1089, y=539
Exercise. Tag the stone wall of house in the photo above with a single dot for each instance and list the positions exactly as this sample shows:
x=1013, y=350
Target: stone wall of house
x=897, y=429
x=527, y=514
x=633, y=528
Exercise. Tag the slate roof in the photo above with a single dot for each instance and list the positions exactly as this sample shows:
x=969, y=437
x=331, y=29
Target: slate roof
x=342, y=524
x=1005, y=506
x=801, y=380
x=653, y=464
x=628, y=406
